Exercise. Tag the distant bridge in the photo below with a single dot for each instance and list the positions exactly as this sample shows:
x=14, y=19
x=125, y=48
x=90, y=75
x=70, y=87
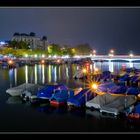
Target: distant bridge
x=127, y=58
x=99, y=58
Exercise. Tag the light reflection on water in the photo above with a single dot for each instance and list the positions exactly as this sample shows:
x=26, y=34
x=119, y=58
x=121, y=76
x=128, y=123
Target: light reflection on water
x=45, y=74
x=47, y=118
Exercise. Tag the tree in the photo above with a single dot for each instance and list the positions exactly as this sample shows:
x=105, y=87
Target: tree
x=83, y=49
x=13, y=44
x=44, y=38
x=54, y=49
x=32, y=34
x=19, y=44
x=16, y=34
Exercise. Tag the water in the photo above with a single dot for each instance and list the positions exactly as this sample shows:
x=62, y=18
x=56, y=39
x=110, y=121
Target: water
x=18, y=116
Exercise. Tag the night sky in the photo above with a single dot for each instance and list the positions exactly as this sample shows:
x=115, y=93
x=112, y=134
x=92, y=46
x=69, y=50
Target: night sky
x=102, y=28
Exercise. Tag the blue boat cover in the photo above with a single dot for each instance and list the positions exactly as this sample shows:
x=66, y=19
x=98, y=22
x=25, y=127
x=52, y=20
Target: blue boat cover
x=133, y=90
x=80, y=98
x=106, y=75
x=48, y=90
x=118, y=89
x=137, y=108
x=128, y=70
x=104, y=86
x=62, y=95
x=124, y=77
x=134, y=78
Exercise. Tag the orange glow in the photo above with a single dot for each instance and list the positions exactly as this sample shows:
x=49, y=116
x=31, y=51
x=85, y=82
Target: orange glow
x=10, y=62
x=96, y=69
x=94, y=86
x=58, y=61
x=84, y=70
x=42, y=61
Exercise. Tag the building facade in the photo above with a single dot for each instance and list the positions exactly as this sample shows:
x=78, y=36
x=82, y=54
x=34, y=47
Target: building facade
x=31, y=39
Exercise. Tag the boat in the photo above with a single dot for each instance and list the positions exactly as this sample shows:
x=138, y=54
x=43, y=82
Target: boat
x=49, y=90
x=111, y=104
x=119, y=104
x=100, y=100
x=80, y=99
x=60, y=97
x=23, y=89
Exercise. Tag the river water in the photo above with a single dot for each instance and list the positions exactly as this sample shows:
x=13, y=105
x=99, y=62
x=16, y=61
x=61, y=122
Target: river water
x=19, y=116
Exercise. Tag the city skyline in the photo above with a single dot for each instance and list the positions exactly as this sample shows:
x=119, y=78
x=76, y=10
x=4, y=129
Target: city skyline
x=102, y=28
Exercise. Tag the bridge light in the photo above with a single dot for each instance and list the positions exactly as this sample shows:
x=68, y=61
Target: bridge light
x=111, y=51
x=94, y=51
x=131, y=55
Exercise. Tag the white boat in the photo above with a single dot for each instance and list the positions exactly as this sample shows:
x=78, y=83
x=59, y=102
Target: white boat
x=19, y=90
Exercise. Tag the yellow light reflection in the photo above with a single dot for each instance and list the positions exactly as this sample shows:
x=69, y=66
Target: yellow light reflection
x=35, y=70
x=26, y=74
x=43, y=75
x=42, y=61
x=15, y=74
x=84, y=70
x=55, y=76
x=49, y=73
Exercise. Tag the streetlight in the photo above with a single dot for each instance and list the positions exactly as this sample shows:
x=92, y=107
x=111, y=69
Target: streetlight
x=93, y=87
x=111, y=53
x=42, y=61
x=131, y=55
x=94, y=52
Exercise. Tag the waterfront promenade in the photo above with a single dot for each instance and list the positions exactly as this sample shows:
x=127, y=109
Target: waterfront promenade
x=128, y=58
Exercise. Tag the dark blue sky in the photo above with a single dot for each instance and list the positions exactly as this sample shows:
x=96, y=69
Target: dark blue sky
x=102, y=28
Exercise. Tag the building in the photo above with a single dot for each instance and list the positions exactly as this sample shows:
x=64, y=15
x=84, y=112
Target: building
x=31, y=39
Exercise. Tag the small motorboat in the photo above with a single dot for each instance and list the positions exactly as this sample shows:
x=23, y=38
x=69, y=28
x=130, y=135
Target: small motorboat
x=61, y=96
x=19, y=90
x=80, y=99
x=49, y=90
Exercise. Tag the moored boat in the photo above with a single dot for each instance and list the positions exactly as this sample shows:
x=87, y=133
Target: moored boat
x=19, y=90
